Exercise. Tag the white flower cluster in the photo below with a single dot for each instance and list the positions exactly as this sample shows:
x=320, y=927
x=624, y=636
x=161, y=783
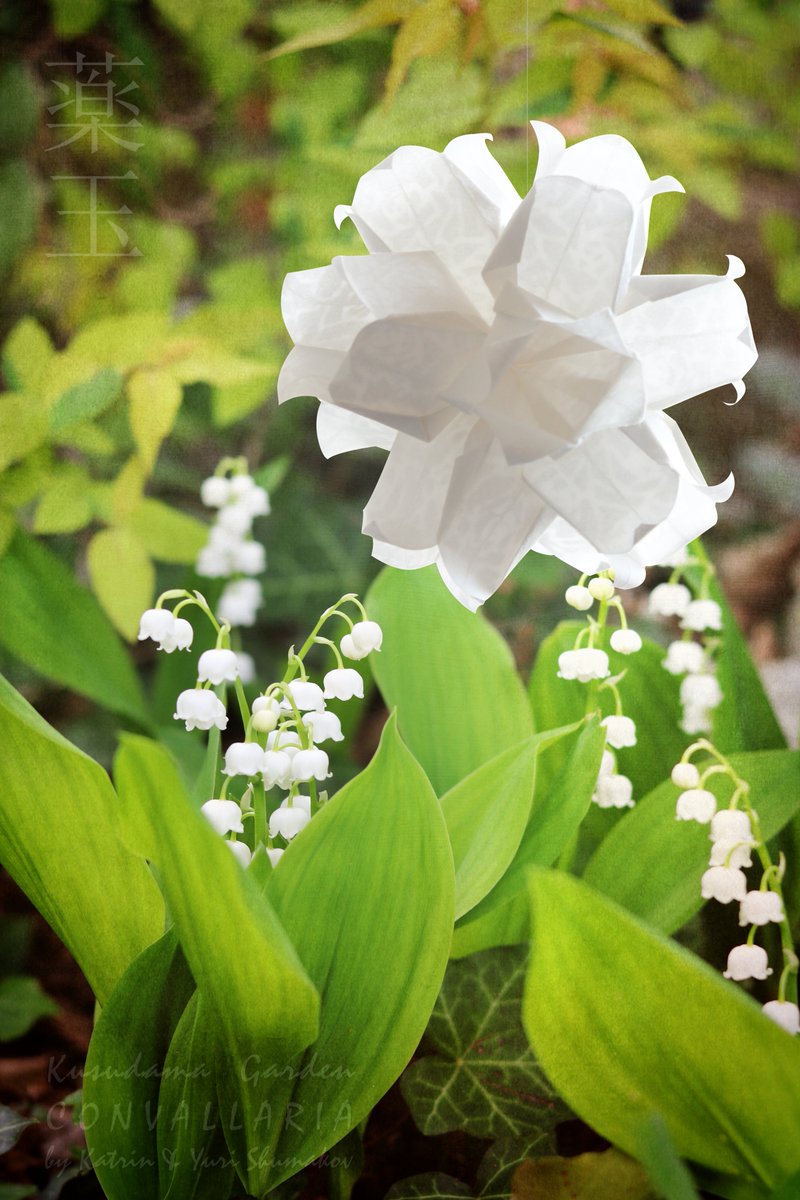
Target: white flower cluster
x=700, y=689
x=588, y=663
x=231, y=552
x=734, y=835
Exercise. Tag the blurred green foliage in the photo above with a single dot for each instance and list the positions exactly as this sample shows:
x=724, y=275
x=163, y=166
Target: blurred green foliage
x=226, y=135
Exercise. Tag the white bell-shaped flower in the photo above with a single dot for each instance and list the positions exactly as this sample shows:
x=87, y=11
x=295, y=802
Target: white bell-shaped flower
x=324, y=726
x=215, y=491
x=367, y=636
x=350, y=650
x=759, y=908
x=275, y=854
x=747, y=962
x=701, y=691
x=601, y=588
x=179, y=637
x=255, y=501
x=276, y=769
x=723, y=884
x=307, y=696
x=626, y=641
x=247, y=666
x=613, y=791
x=249, y=558
x=685, y=775
x=224, y=815
x=696, y=804
x=218, y=666
x=156, y=624
x=583, y=664
x=783, y=1013
x=701, y=615
x=669, y=600
x=343, y=683
x=244, y=758
x=579, y=597
x=200, y=709
x=235, y=519
x=298, y=801
x=731, y=825
x=620, y=731
x=239, y=602
x=287, y=822
x=685, y=658
x=695, y=719
x=310, y=764
x=240, y=852
x=213, y=563
x=730, y=854
x=285, y=739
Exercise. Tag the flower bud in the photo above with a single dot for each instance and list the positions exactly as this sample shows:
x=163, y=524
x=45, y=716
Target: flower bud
x=601, y=588
x=224, y=815
x=200, y=709
x=217, y=666
x=579, y=597
x=264, y=721
x=747, y=962
x=685, y=775
x=759, y=908
x=701, y=615
x=626, y=641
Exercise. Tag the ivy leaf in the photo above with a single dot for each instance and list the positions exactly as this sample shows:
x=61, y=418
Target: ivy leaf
x=484, y=1079
x=22, y=1003
x=502, y=1159
x=12, y=1127
x=606, y=1176
x=433, y=1185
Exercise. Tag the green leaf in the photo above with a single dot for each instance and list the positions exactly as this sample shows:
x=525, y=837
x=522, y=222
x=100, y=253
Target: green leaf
x=125, y=1069
x=495, y=1174
x=22, y=1003
x=154, y=398
x=789, y=1190
x=85, y=400
x=193, y=1156
x=55, y=626
x=122, y=577
x=26, y=352
x=167, y=534
x=234, y=943
x=372, y=15
x=371, y=917
x=12, y=1127
x=651, y=863
x=606, y=1176
x=649, y=695
x=23, y=426
x=484, y=1079
x=433, y=1185
x=58, y=840
x=65, y=506
x=487, y=814
x=449, y=674
x=655, y=1150
x=20, y=200
x=626, y=1024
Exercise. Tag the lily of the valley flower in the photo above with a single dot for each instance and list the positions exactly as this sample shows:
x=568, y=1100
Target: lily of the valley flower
x=240, y=601
x=701, y=615
x=224, y=815
x=783, y=1013
x=584, y=664
x=625, y=641
x=324, y=727
x=168, y=631
x=697, y=804
x=310, y=764
x=343, y=683
x=747, y=962
x=759, y=908
x=723, y=884
x=244, y=758
x=685, y=658
x=218, y=666
x=287, y=822
x=515, y=362
x=620, y=732
x=669, y=600
x=200, y=709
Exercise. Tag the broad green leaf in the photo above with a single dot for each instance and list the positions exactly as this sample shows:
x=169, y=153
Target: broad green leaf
x=122, y=577
x=65, y=506
x=559, y=806
x=484, y=1079
x=234, y=944
x=23, y=426
x=488, y=811
x=789, y=1190
x=606, y=1176
x=651, y=863
x=655, y=1150
x=649, y=695
x=745, y=719
x=26, y=352
x=154, y=398
x=167, y=534
x=8, y=526
x=122, y=341
x=125, y=1069
x=55, y=626
x=449, y=674
x=499, y=925
x=366, y=895
x=627, y=1024
x=194, y=1163
x=371, y=15
x=22, y=1003
x=85, y=400
x=58, y=839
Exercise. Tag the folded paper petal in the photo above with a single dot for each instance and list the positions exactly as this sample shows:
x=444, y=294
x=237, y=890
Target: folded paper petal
x=515, y=363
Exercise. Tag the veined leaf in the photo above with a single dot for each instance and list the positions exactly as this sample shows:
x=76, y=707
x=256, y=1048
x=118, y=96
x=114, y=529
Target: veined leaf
x=122, y=576
x=449, y=674
x=59, y=841
x=626, y=1024
x=154, y=397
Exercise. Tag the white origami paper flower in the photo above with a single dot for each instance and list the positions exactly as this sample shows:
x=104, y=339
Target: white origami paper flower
x=515, y=363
